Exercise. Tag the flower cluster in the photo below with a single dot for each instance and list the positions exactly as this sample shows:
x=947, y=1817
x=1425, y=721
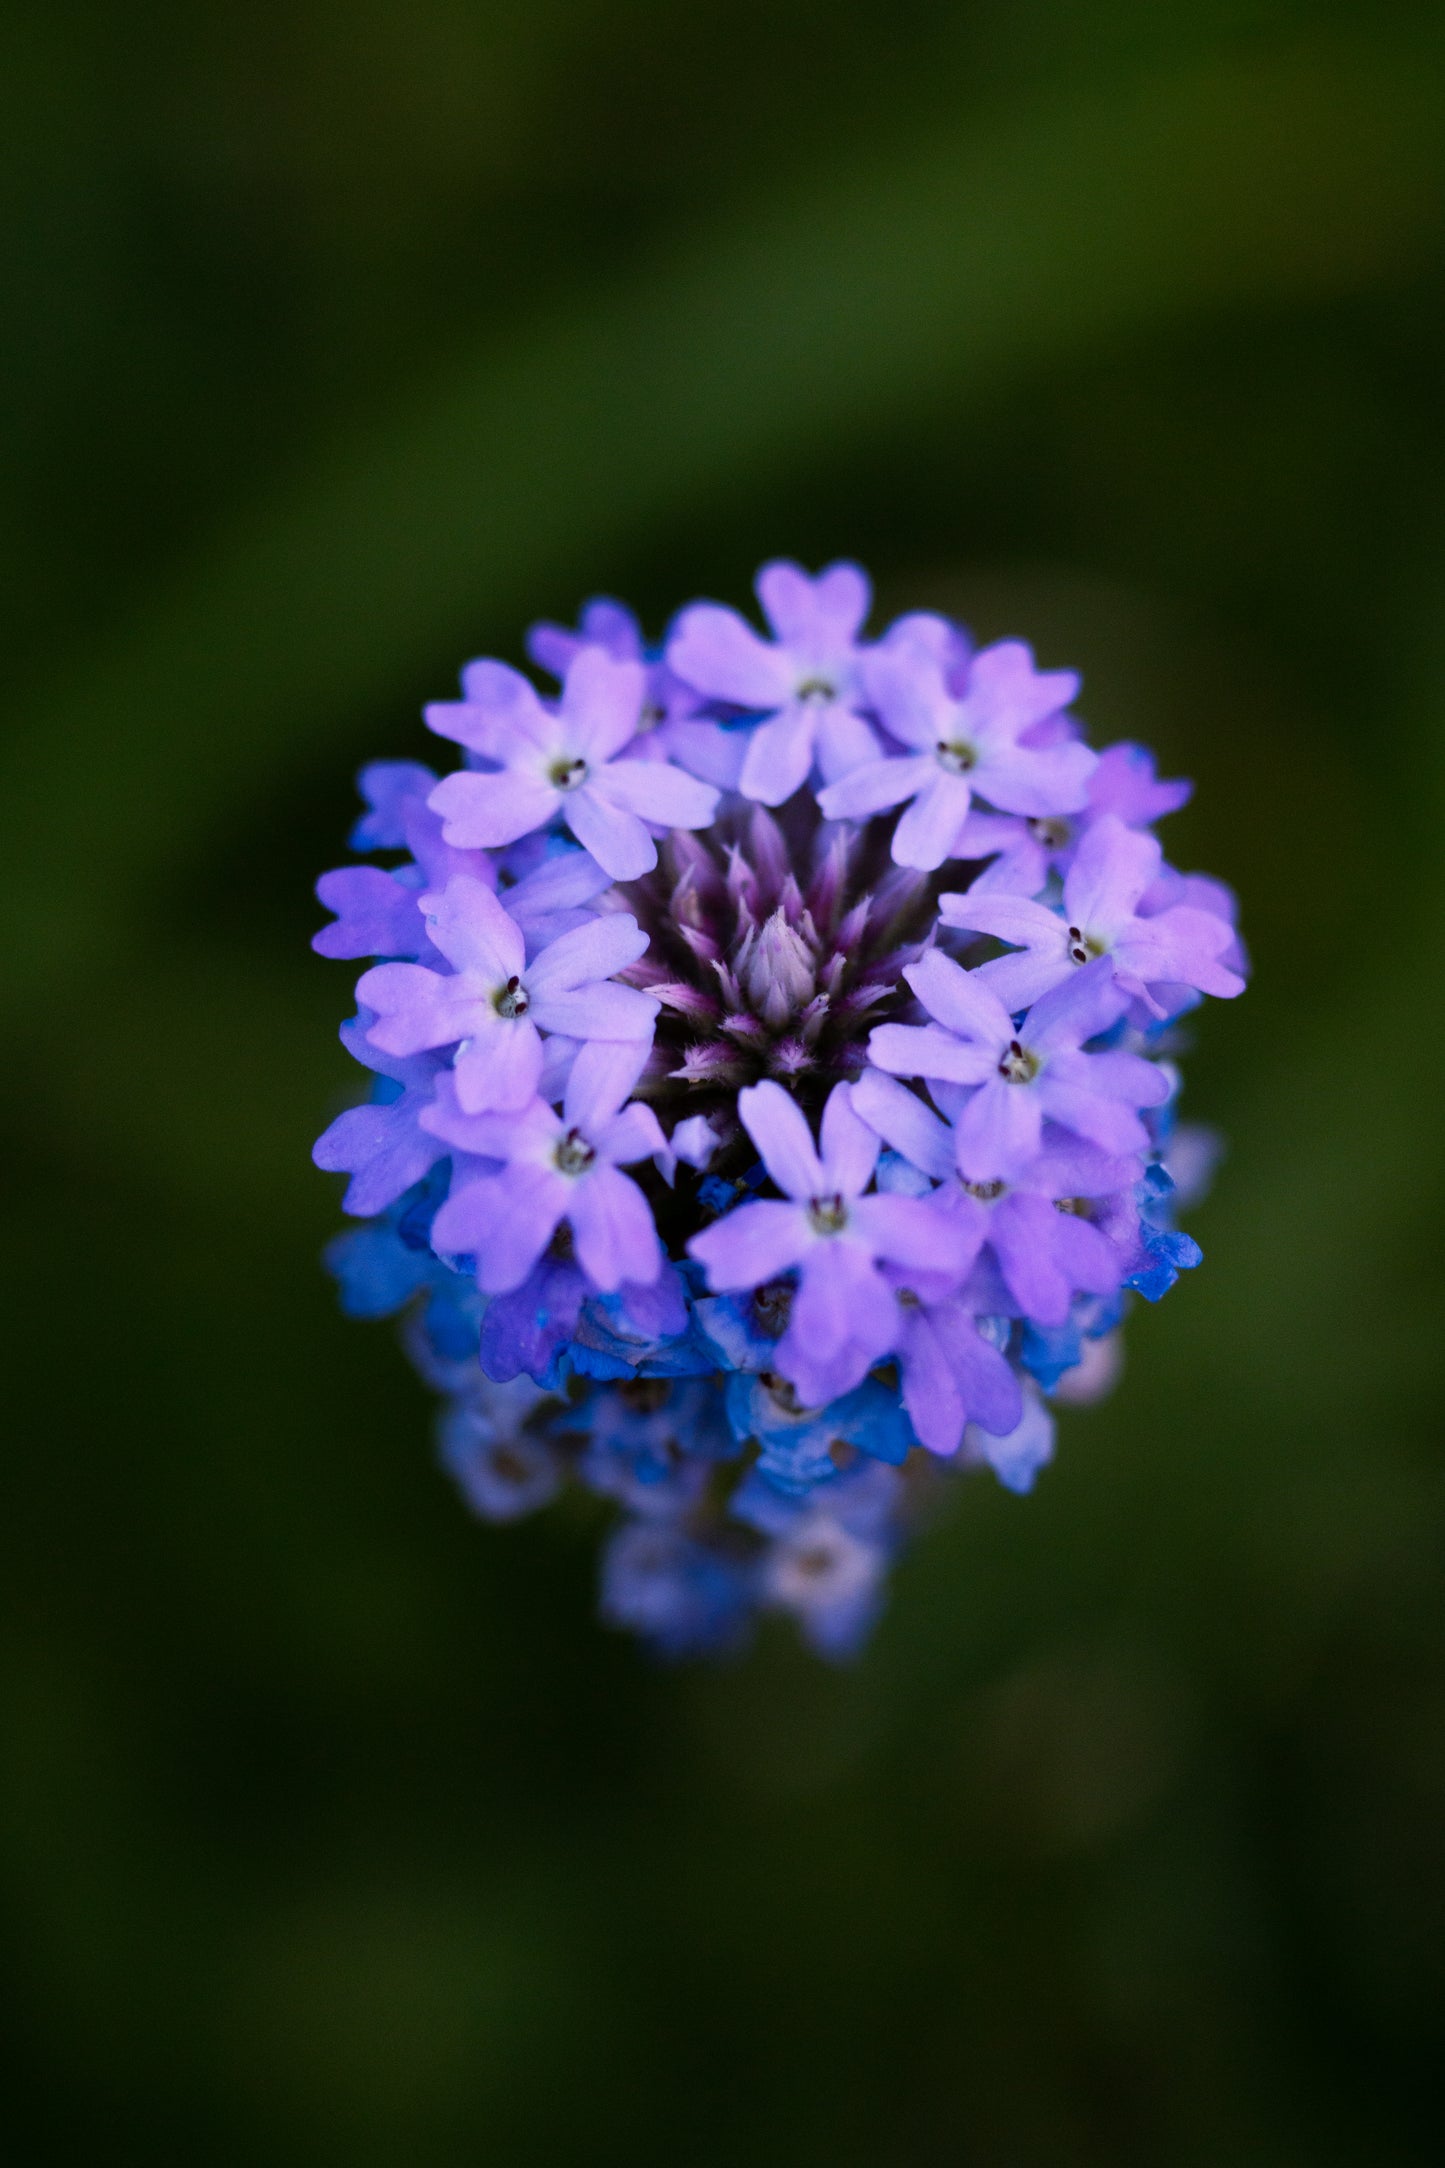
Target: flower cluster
x=772, y=1101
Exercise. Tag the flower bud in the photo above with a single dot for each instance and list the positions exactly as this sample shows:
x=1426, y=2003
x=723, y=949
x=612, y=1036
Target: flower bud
x=779, y=975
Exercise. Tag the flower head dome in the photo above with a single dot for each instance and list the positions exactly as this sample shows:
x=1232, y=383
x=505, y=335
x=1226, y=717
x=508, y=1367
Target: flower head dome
x=773, y=1102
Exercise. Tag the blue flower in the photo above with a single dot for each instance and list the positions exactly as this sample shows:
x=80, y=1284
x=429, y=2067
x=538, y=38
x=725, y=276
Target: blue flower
x=798, y=1447
x=652, y=1443
x=376, y=1273
x=684, y=1597
x=1164, y=1252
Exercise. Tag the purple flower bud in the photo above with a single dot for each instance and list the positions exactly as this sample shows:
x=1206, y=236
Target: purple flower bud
x=778, y=973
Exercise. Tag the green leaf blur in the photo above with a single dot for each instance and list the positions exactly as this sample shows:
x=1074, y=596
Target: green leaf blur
x=340, y=341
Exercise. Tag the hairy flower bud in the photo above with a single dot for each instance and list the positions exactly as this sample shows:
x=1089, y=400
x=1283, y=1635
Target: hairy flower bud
x=778, y=975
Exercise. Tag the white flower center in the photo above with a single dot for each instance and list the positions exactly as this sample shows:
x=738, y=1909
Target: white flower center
x=815, y=692
x=827, y=1215
x=955, y=756
x=511, y=1000
x=1017, y=1065
x=1053, y=834
x=568, y=772
x=1082, y=948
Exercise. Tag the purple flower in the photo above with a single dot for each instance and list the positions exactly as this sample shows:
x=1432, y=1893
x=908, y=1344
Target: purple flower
x=553, y=896
x=1021, y=852
x=805, y=681
x=562, y=761
x=555, y=1168
x=1044, y=1255
x=1017, y=1458
x=695, y=1141
x=376, y=1271
x=1125, y=783
x=652, y=1442
x=843, y=1316
x=800, y=1447
x=950, y=1374
x=381, y=1145
x=526, y=1330
x=1024, y=852
x=376, y=914
x=646, y=1330
x=671, y=724
x=1017, y=1077
x=1111, y=870
x=496, y=1004
x=772, y=1377
x=604, y=623
x=963, y=743
x=389, y=787
x=1140, y=1224
x=379, y=913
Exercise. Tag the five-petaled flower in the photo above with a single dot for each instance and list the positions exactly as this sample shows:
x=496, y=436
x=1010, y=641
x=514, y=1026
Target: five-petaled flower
x=563, y=761
x=843, y=1318
x=556, y=1168
x=1111, y=872
x=806, y=682
x=1044, y=1255
x=974, y=742
x=1015, y=1076
x=494, y=1005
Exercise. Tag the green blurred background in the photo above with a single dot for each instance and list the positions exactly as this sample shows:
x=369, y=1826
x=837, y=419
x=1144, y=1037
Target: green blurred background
x=342, y=338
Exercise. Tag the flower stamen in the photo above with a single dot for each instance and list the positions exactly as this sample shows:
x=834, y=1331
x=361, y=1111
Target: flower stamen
x=574, y=1155
x=827, y=1215
x=954, y=756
